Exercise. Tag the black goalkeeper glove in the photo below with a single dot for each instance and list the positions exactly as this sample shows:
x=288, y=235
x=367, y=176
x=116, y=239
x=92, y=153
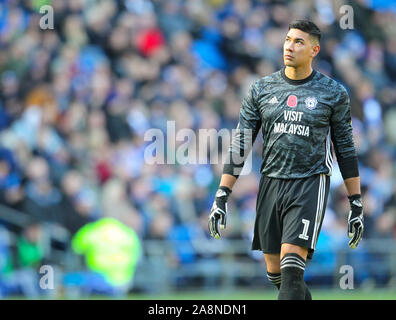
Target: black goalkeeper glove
x=355, y=220
x=219, y=212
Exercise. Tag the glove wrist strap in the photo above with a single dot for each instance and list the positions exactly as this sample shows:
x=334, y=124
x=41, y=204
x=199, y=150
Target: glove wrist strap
x=226, y=190
x=354, y=197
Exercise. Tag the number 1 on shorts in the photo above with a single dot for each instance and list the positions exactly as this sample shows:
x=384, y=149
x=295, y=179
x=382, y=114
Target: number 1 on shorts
x=304, y=235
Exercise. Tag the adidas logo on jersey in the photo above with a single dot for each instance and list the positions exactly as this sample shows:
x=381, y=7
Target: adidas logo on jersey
x=273, y=100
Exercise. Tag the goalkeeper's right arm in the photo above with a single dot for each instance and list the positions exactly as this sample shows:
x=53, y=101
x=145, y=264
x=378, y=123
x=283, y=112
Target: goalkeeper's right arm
x=248, y=127
x=227, y=180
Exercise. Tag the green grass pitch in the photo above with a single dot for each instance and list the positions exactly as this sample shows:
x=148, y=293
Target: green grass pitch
x=272, y=295
x=317, y=294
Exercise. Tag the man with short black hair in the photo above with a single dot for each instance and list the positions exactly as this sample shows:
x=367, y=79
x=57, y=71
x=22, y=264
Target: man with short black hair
x=300, y=112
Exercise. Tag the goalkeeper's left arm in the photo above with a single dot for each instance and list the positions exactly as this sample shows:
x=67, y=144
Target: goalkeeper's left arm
x=342, y=137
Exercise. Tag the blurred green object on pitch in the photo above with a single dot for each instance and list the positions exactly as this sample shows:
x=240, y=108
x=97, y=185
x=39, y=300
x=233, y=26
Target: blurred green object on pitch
x=37, y=4
x=110, y=248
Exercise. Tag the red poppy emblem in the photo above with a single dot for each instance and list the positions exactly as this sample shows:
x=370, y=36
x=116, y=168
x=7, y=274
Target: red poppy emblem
x=292, y=101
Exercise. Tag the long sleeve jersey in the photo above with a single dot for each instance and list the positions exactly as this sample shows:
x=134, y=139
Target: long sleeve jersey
x=298, y=119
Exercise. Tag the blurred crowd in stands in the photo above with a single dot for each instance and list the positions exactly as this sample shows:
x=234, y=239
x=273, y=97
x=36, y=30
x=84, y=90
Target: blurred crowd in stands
x=76, y=101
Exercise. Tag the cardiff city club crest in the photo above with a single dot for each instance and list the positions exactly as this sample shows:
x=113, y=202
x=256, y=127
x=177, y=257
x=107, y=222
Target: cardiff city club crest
x=311, y=103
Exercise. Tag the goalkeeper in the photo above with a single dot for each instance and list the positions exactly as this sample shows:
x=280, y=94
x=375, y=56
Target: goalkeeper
x=303, y=115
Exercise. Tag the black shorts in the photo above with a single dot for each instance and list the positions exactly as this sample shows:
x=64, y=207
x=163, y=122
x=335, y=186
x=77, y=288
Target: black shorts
x=290, y=211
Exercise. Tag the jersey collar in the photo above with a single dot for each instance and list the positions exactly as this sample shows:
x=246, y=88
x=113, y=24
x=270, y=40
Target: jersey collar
x=296, y=82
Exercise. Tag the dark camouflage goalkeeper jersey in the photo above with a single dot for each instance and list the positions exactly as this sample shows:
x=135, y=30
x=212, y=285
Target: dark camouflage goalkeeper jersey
x=298, y=119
